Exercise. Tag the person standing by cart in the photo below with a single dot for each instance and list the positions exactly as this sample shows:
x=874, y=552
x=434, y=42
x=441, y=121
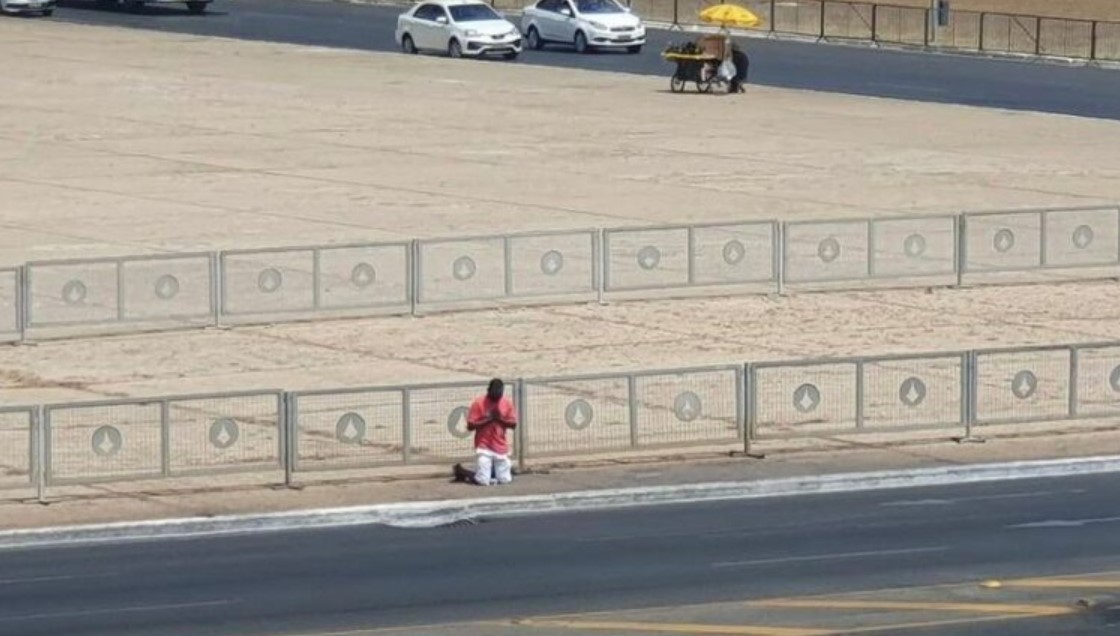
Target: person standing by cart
x=742, y=65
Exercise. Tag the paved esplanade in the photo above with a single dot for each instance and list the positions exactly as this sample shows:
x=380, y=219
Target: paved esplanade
x=917, y=76
x=776, y=553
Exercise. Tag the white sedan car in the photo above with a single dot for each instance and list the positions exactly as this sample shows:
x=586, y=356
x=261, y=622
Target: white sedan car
x=460, y=28
x=44, y=7
x=585, y=24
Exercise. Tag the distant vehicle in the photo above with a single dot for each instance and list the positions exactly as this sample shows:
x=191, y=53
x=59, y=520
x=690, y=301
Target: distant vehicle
x=194, y=6
x=42, y=7
x=459, y=28
x=584, y=24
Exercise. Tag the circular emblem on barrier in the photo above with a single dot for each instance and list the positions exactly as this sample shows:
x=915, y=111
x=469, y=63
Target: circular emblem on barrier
x=363, y=275
x=687, y=406
x=1024, y=384
x=1082, y=237
x=457, y=423
x=914, y=245
x=106, y=441
x=270, y=280
x=167, y=287
x=1003, y=241
x=912, y=392
x=734, y=252
x=806, y=398
x=74, y=292
x=579, y=415
x=350, y=429
x=1114, y=379
x=828, y=250
x=552, y=262
x=224, y=433
x=649, y=257
x=464, y=268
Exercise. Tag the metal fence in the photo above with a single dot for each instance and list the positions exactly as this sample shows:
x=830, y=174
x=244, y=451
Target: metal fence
x=119, y=295
x=283, y=435
x=1090, y=40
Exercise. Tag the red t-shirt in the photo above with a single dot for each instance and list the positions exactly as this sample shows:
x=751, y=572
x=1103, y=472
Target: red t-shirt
x=490, y=435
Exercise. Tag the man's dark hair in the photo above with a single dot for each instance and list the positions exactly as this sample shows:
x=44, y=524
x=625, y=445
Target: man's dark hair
x=496, y=390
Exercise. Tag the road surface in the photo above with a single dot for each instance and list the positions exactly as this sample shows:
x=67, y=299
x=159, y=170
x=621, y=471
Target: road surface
x=908, y=75
x=507, y=570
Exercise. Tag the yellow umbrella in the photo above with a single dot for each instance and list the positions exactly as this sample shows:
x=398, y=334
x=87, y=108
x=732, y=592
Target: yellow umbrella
x=727, y=15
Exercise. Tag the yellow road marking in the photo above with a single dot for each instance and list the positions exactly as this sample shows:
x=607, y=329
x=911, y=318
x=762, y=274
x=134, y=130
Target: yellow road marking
x=1065, y=583
x=677, y=628
x=1008, y=609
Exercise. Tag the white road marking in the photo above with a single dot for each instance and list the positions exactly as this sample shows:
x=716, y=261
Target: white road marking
x=1062, y=523
x=59, y=577
x=830, y=557
x=114, y=610
x=946, y=502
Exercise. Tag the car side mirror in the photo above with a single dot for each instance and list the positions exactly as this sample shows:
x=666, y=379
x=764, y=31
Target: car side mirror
x=566, y=12
x=442, y=19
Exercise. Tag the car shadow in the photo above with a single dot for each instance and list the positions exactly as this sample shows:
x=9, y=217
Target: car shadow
x=159, y=11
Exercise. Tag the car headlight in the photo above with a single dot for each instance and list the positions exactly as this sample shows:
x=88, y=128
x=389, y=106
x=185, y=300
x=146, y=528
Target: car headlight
x=471, y=33
x=598, y=25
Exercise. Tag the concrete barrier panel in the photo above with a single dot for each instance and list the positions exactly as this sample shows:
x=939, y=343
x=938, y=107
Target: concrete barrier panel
x=1022, y=386
x=729, y=254
x=349, y=429
x=914, y=247
x=1005, y=241
x=224, y=433
x=72, y=293
x=577, y=416
x=104, y=441
x=360, y=277
x=462, y=270
x=552, y=264
x=1098, y=381
x=919, y=392
x=687, y=407
x=264, y=282
x=172, y=289
x=791, y=400
x=1082, y=237
x=826, y=251
x=646, y=259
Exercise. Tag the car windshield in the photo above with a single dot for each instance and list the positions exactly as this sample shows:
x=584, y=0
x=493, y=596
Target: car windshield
x=599, y=6
x=473, y=13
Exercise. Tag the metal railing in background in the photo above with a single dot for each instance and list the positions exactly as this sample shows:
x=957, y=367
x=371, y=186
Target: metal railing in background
x=281, y=435
x=145, y=293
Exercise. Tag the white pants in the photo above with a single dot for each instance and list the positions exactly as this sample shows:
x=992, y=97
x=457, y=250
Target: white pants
x=492, y=468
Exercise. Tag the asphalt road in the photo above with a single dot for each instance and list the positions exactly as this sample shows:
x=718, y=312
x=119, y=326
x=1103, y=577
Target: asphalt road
x=915, y=76
x=340, y=579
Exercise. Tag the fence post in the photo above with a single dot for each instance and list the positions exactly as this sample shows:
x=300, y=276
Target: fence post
x=824, y=3
x=980, y=44
x=603, y=270
x=874, y=23
x=1074, y=362
x=773, y=12
x=1038, y=36
x=632, y=399
x=25, y=302
x=961, y=247
x=288, y=419
x=971, y=390
x=1093, y=41
x=165, y=438
x=21, y=318
x=781, y=237
x=691, y=256
x=413, y=275
x=1043, y=217
x=929, y=29
x=522, y=433
x=859, y=394
x=406, y=426
x=316, y=279
x=44, y=452
x=39, y=439
x=507, y=273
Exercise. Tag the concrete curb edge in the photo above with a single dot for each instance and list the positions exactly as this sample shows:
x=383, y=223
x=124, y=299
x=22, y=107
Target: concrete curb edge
x=437, y=513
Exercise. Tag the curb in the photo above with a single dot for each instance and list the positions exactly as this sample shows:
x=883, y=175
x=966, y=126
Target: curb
x=440, y=513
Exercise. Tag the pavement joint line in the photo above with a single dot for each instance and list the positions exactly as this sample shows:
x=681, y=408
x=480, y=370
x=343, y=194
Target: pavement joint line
x=430, y=514
x=1003, y=609
x=677, y=628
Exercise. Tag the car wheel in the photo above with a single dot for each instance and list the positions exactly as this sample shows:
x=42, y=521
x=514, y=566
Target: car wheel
x=512, y=55
x=637, y=48
x=197, y=8
x=676, y=84
x=534, y=39
x=454, y=49
x=581, y=42
x=407, y=45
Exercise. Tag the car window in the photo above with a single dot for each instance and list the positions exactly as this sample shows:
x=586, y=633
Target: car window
x=552, y=6
x=438, y=12
x=598, y=6
x=425, y=12
x=473, y=13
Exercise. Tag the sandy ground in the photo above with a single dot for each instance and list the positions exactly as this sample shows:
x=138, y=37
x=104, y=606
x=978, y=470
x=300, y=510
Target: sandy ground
x=187, y=144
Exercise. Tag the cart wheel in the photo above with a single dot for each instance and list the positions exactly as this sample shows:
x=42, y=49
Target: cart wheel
x=704, y=86
x=676, y=84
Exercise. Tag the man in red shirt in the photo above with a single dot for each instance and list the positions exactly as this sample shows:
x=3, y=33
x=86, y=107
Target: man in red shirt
x=490, y=416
